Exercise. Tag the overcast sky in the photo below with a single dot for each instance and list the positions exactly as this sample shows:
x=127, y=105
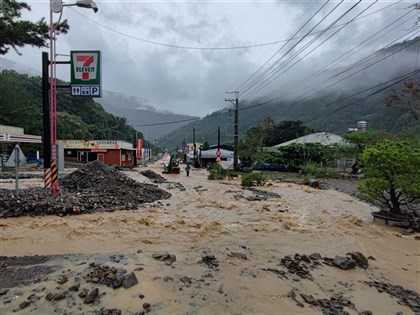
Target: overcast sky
x=194, y=81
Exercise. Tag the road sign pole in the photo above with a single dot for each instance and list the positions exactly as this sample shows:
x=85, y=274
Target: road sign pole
x=46, y=121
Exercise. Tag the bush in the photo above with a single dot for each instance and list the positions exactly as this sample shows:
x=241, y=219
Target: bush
x=253, y=179
x=392, y=175
x=314, y=170
x=217, y=172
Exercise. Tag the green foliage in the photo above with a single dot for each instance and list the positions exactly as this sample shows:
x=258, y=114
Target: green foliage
x=362, y=140
x=217, y=172
x=206, y=146
x=268, y=133
x=77, y=118
x=18, y=33
x=253, y=179
x=315, y=170
x=288, y=130
x=392, y=175
x=296, y=154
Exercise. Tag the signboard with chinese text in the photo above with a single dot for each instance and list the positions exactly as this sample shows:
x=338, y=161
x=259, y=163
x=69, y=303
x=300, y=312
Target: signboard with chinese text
x=139, y=149
x=85, y=77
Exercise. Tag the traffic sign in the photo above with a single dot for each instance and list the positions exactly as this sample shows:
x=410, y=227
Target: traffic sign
x=218, y=153
x=85, y=73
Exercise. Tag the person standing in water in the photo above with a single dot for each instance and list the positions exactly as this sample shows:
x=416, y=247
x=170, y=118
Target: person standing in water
x=187, y=170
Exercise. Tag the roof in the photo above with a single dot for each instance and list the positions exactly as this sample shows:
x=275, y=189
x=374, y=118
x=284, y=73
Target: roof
x=10, y=134
x=211, y=154
x=97, y=144
x=324, y=138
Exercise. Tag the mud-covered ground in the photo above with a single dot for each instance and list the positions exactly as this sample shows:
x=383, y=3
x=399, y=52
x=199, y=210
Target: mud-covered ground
x=211, y=248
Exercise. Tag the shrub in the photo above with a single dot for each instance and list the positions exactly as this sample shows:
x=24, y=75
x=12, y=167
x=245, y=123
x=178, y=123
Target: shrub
x=253, y=179
x=315, y=170
x=392, y=175
x=217, y=172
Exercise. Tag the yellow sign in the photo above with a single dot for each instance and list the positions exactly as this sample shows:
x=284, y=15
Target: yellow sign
x=93, y=144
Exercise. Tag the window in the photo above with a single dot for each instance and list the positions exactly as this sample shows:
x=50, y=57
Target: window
x=123, y=157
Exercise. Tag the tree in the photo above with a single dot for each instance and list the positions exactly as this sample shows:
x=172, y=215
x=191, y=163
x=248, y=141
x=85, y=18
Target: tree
x=392, y=175
x=206, y=145
x=362, y=140
x=288, y=130
x=297, y=154
x=18, y=33
x=407, y=100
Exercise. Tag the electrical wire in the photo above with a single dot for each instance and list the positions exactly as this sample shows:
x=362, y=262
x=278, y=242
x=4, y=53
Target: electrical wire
x=208, y=48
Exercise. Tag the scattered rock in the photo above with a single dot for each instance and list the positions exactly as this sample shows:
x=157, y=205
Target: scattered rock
x=220, y=290
x=24, y=304
x=280, y=273
x=186, y=280
x=315, y=256
x=405, y=297
x=91, y=297
x=55, y=296
x=129, y=280
x=147, y=307
x=3, y=291
x=360, y=259
x=344, y=262
x=309, y=299
x=156, y=178
x=209, y=259
x=74, y=288
x=107, y=311
x=238, y=255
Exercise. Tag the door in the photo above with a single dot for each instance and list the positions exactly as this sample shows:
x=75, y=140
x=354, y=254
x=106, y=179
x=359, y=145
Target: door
x=101, y=158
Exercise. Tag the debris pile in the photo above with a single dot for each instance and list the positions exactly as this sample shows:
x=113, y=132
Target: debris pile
x=156, y=178
x=405, y=297
x=92, y=188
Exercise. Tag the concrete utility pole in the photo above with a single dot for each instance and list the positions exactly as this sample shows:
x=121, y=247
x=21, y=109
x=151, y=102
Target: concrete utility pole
x=194, y=149
x=218, y=138
x=235, y=102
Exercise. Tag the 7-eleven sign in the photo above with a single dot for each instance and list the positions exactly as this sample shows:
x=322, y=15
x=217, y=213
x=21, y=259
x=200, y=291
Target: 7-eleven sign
x=86, y=73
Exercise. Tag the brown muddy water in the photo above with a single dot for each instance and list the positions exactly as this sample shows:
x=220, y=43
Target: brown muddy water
x=247, y=233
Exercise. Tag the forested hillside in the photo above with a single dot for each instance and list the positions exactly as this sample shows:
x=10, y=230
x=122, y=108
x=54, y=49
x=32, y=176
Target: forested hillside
x=77, y=117
x=333, y=101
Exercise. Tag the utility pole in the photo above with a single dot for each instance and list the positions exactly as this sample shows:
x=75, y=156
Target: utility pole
x=235, y=102
x=46, y=138
x=218, y=138
x=194, y=148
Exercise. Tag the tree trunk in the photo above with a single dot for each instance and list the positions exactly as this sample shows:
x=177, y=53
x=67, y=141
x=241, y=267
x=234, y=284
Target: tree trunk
x=394, y=206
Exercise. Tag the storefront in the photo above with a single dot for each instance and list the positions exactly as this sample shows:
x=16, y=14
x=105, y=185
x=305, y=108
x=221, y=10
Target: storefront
x=110, y=152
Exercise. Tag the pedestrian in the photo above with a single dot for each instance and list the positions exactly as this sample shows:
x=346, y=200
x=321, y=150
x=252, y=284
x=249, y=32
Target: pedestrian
x=187, y=169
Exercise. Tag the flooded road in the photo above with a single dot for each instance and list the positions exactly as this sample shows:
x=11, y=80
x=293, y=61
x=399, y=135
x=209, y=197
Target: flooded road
x=247, y=233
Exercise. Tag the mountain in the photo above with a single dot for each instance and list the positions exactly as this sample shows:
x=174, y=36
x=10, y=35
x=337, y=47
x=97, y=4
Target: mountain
x=139, y=113
x=77, y=117
x=335, y=100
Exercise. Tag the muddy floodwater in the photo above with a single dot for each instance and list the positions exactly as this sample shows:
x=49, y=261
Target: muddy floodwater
x=223, y=248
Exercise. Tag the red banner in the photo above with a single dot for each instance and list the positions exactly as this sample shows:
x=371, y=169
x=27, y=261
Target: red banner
x=139, y=148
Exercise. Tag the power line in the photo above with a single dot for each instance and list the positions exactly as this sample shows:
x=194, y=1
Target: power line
x=249, y=85
x=211, y=48
x=268, y=81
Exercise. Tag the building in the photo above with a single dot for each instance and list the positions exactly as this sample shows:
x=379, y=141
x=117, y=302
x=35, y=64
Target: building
x=110, y=152
x=225, y=154
x=324, y=138
x=9, y=137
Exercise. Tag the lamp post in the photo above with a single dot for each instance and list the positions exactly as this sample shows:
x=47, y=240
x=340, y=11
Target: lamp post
x=56, y=6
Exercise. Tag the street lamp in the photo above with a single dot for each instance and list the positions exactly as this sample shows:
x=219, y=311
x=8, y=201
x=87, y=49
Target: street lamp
x=56, y=6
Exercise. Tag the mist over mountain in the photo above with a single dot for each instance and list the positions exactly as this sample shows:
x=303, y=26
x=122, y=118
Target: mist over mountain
x=7, y=64
x=140, y=113
x=332, y=100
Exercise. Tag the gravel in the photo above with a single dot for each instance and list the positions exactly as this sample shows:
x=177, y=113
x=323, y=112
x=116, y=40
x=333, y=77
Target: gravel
x=92, y=188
